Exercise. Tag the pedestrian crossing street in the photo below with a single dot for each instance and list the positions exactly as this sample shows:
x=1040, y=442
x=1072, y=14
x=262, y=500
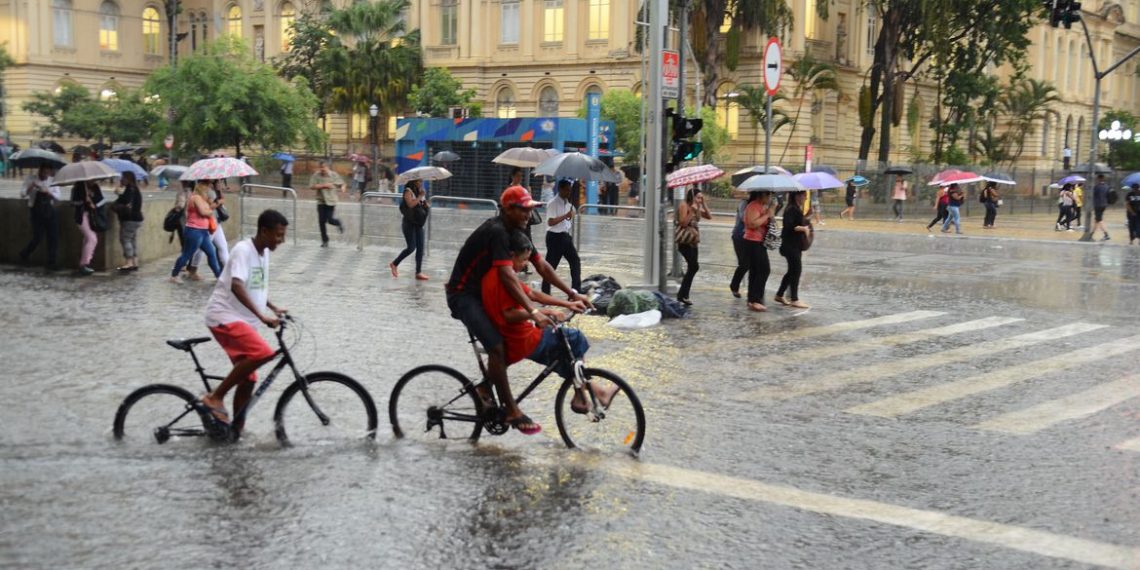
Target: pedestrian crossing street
x=1039, y=362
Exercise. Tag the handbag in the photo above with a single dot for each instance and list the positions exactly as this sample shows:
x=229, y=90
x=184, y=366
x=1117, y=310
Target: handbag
x=686, y=235
x=173, y=220
x=807, y=238
x=418, y=215
x=223, y=215
x=213, y=224
x=773, y=239
x=97, y=219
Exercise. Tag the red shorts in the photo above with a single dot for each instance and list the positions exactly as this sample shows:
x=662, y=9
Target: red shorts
x=241, y=342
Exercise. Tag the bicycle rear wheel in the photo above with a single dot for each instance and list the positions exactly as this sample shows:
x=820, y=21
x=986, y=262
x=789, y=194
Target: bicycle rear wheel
x=435, y=402
x=159, y=414
x=620, y=427
x=326, y=408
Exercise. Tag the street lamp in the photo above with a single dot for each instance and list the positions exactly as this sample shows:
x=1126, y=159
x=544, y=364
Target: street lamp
x=1116, y=133
x=373, y=111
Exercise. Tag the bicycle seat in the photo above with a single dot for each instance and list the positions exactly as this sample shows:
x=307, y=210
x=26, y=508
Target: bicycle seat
x=187, y=343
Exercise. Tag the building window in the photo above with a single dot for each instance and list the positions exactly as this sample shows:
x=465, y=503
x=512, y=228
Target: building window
x=509, y=23
x=449, y=15
x=548, y=102
x=109, y=26
x=726, y=24
x=61, y=22
x=599, y=20
x=151, y=29
x=193, y=34
x=359, y=125
x=552, y=23
x=872, y=31
x=810, y=20
x=288, y=18
x=109, y=92
x=233, y=21
x=728, y=110
x=202, y=19
x=505, y=104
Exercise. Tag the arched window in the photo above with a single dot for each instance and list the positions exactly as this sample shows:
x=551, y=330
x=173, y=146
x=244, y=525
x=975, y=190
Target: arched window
x=548, y=102
x=505, y=104
x=108, y=92
x=151, y=29
x=288, y=18
x=109, y=26
x=61, y=22
x=594, y=88
x=233, y=21
x=205, y=35
x=728, y=110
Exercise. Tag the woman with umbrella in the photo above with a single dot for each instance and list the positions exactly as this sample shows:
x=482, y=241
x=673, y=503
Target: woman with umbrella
x=757, y=216
x=688, y=237
x=87, y=196
x=196, y=233
x=850, y=194
x=129, y=208
x=414, y=207
x=794, y=231
x=990, y=199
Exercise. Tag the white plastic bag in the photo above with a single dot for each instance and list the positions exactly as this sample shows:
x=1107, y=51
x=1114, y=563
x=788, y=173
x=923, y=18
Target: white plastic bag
x=636, y=320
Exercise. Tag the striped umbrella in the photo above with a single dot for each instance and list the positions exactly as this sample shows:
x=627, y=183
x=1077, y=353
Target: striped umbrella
x=693, y=175
x=217, y=169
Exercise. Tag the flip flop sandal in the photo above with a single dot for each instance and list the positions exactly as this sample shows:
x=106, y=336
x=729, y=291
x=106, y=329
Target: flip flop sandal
x=522, y=420
x=219, y=413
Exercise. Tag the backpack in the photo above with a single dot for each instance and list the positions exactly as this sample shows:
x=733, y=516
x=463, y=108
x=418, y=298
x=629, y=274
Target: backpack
x=173, y=220
x=629, y=302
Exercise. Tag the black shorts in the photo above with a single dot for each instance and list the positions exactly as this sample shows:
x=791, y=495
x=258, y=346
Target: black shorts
x=850, y=202
x=1098, y=214
x=469, y=310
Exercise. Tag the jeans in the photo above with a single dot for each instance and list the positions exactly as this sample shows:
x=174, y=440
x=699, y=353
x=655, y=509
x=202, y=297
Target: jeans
x=991, y=213
x=953, y=217
x=758, y=270
x=325, y=216
x=90, y=240
x=1133, y=227
x=740, y=247
x=414, y=237
x=692, y=265
x=45, y=224
x=897, y=208
x=194, y=239
x=128, y=238
x=791, y=280
x=560, y=245
x=548, y=350
x=221, y=249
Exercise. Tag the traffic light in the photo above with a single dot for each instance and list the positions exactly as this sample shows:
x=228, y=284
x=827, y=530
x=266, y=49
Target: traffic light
x=1063, y=12
x=1072, y=13
x=683, y=149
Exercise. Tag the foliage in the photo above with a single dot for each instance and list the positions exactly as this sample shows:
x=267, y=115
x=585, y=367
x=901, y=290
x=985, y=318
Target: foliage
x=623, y=108
x=223, y=97
x=311, y=36
x=713, y=136
x=810, y=76
x=439, y=92
x=754, y=99
x=1026, y=103
x=75, y=112
x=1123, y=154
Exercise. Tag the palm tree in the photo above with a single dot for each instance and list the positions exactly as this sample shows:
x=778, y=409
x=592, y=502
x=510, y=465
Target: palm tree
x=755, y=101
x=810, y=76
x=1024, y=104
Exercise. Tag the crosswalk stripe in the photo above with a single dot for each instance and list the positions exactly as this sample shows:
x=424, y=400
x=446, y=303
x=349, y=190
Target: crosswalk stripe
x=1130, y=445
x=848, y=326
x=900, y=339
x=874, y=372
x=1076, y=406
x=919, y=399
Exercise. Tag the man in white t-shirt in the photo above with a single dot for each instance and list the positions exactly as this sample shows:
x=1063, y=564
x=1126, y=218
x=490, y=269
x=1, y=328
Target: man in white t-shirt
x=237, y=305
x=559, y=242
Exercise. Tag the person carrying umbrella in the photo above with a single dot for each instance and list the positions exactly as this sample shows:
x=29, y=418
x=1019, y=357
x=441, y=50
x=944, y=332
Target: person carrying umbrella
x=128, y=206
x=849, y=197
x=415, y=209
x=41, y=193
x=1132, y=208
x=86, y=196
x=326, y=183
x=559, y=243
x=899, y=196
x=688, y=237
x=990, y=199
x=941, y=207
x=196, y=233
x=757, y=217
x=953, y=209
x=795, y=228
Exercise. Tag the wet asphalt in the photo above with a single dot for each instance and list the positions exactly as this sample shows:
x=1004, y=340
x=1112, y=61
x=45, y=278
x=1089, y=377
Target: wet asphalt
x=728, y=477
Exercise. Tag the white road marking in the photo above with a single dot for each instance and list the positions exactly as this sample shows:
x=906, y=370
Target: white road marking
x=858, y=325
x=919, y=399
x=874, y=372
x=1023, y=539
x=1076, y=406
x=1130, y=445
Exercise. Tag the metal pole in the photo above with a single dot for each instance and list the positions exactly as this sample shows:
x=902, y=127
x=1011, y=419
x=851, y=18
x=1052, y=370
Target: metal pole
x=1088, y=236
x=767, y=134
x=654, y=218
x=676, y=255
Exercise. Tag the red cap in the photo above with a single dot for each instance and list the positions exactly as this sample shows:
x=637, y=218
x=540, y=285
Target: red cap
x=517, y=196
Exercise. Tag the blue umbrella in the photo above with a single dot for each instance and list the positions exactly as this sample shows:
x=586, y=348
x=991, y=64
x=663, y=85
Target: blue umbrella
x=1131, y=179
x=1071, y=179
x=121, y=166
x=858, y=180
x=284, y=156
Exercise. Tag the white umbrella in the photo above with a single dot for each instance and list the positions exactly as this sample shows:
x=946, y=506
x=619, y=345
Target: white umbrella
x=169, y=171
x=818, y=180
x=84, y=171
x=218, y=168
x=771, y=183
x=524, y=156
x=577, y=166
x=423, y=173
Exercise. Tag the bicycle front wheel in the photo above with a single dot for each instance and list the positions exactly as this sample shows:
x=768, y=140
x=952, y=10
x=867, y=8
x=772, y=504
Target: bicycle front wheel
x=435, y=402
x=326, y=408
x=159, y=414
x=620, y=427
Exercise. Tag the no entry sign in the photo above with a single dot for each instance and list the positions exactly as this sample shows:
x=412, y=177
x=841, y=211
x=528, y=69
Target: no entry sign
x=773, y=65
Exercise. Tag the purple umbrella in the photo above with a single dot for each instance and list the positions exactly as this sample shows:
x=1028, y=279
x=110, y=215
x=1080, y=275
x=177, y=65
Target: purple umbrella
x=1071, y=179
x=818, y=180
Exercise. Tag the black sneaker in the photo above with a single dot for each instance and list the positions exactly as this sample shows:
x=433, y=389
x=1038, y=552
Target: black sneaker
x=85, y=271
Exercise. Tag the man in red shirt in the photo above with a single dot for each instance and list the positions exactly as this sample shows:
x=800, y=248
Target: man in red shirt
x=523, y=338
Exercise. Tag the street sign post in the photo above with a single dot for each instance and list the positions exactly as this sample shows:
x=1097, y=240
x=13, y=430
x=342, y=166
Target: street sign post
x=773, y=70
x=670, y=74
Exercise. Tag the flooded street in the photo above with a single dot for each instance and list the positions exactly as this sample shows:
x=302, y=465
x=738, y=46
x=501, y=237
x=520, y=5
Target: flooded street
x=946, y=403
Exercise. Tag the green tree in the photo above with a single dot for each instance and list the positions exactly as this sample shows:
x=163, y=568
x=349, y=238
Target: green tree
x=223, y=97
x=623, y=108
x=754, y=99
x=810, y=76
x=439, y=92
x=311, y=37
x=714, y=137
x=75, y=112
x=1122, y=154
x=1026, y=103
x=67, y=112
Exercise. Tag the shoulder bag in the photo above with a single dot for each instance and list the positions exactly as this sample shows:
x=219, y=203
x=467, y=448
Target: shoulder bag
x=97, y=219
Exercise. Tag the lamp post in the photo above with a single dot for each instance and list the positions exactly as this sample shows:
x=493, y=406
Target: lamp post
x=373, y=111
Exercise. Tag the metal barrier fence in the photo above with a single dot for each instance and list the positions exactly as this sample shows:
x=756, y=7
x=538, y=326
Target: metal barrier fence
x=367, y=195
x=634, y=231
x=247, y=190
x=456, y=218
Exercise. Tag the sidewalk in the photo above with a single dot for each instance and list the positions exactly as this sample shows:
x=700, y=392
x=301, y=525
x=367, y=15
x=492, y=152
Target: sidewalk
x=1025, y=227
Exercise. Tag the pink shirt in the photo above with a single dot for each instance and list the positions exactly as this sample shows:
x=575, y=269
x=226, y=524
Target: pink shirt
x=193, y=218
x=755, y=209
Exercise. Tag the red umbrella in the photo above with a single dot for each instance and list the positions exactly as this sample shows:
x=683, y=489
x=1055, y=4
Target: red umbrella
x=954, y=176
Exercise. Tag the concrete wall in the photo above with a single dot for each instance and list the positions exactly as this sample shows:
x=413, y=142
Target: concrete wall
x=153, y=243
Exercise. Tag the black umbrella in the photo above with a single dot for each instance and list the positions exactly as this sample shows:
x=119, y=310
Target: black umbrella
x=445, y=156
x=1101, y=168
x=127, y=149
x=50, y=145
x=898, y=169
x=37, y=157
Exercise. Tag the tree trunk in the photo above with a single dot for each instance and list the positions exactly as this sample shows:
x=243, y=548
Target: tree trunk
x=710, y=64
x=888, y=71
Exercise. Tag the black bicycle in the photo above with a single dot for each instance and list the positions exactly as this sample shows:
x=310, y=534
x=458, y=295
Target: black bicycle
x=332, y=408
x=438, y=402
